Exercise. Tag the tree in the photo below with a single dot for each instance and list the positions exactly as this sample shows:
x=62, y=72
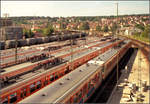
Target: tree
x=30, y=34
x=85, y=26
x=105, y=28
x=38, y=30
x=140, y=26
x=98, y=28
x=146, y=31
x=25, y=33
x=114, y=27
x=48, y=31
x=62, y=25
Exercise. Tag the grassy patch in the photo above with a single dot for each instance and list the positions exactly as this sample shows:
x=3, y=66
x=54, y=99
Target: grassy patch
x=146, y=40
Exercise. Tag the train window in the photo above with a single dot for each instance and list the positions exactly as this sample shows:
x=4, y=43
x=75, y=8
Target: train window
x=5, y=100
x=66, y=71
x=38, y=84
x=89, y=86
x=13, y=98
x=52, y=78
x=45, y=82
x=23, y=93
x=84, y=90
x=56, y=75
x=102, y=68
x=98, y=76
x=61, y=73
x=75, y=99
x=80, y=94
x=32, y=88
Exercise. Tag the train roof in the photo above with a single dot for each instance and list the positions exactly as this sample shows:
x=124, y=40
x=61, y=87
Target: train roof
x=55, y=92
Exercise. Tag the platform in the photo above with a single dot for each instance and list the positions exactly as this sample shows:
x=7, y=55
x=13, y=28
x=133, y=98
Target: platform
x=130, y=77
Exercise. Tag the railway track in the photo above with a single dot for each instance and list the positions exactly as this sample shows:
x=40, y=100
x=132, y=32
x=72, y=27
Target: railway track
x=29, y=54
x=61, y=70
x=65, y=57
x=32, y=65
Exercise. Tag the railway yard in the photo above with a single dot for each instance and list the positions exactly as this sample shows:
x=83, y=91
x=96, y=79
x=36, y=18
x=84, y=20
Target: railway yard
x=68, y=71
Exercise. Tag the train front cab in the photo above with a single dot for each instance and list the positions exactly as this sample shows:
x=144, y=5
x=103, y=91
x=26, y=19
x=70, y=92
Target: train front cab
x=85, y=90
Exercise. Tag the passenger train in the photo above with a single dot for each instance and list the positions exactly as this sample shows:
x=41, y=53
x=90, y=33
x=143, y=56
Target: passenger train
x=80, y=84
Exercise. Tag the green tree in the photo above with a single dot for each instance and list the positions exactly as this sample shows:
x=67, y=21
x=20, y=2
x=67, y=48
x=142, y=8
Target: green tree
x=114, y=27
x=62, y=25
x=25, y=33
x=146, y=31
x=30, y=34
x=98, y=28
x=140, y=26
x=48, y=31
x=105, y=28
x=38, y=30
x=85, y=26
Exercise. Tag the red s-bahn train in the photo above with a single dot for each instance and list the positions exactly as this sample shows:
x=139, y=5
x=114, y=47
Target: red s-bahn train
x=22, y=90
x=73, y=89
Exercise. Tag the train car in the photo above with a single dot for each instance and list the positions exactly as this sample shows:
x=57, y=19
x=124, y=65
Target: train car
x=31, y=41
x=66, y=37
x=2, y=45
x=53, y=38
x=72, y=89
x=45, y=39
x=22, y=42
x=10, y=44
x=107, y=68
x=39, y=40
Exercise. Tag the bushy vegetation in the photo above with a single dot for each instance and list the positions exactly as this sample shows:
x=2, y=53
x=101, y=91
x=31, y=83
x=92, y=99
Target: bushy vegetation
x=48, y=31
x=28, y=33
x=144, y=35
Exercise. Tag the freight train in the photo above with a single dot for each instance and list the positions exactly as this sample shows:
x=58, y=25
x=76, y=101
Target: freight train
x=72, y=89
x=31, y=85
x=32, y=41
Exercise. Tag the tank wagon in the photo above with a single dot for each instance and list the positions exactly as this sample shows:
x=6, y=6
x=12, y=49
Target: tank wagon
x=22, y=42
x=10, y=43
x=2, y=45
x=72, y=89
x=39, y=40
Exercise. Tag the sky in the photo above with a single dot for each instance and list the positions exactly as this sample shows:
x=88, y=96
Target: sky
x=72, y=8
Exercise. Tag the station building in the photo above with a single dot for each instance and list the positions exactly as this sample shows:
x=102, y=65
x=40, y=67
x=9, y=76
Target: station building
x=8, y=31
